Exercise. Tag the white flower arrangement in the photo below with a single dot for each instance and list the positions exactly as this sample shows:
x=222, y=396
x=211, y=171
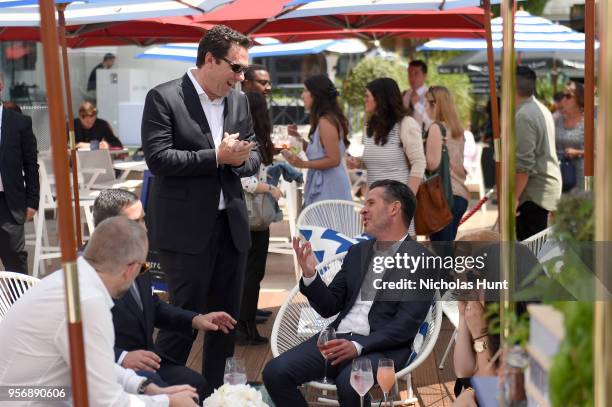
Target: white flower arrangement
x=235, y=395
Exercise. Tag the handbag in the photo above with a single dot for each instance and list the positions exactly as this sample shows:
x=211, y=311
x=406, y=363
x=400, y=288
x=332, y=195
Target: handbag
x=568, y=174
x=433, y=211
x=262, y=209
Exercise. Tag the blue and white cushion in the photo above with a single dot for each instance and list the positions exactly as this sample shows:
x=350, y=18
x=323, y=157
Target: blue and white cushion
x=327, y=243
x=419, y=338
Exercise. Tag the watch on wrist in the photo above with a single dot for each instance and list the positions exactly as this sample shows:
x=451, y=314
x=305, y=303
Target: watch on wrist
x=143, y=386
x=480, y=346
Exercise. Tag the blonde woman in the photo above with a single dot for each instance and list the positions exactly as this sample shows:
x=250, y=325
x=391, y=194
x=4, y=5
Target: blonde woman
x=446, y=128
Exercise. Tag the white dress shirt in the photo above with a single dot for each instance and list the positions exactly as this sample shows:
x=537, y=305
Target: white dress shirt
x=34, y=349
x=356, y=320
x=213, y=110
x=1, y=186
x=420, y=114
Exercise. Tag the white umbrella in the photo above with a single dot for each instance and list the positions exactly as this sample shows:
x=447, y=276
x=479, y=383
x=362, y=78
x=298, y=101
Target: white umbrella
x=97, y=11
x=188, y=52
x=532, y=33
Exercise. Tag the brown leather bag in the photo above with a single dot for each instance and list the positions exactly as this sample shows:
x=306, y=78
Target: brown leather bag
x=432, y=212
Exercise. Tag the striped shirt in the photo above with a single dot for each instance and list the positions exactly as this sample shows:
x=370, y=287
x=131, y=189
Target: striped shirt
x=387, y=161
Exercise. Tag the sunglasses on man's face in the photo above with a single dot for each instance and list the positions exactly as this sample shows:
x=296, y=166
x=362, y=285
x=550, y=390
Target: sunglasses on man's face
x=568, y=95
x=236, y=68
x=144, y=268
x=263, y=82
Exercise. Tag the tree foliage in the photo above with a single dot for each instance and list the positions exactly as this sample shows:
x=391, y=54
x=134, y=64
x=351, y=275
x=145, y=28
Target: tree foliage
x=367, y=70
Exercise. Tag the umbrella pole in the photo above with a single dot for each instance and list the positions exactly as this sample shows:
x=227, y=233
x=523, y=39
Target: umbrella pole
x=73, y=160
x=65, y=223
x=589, y=93
x=602, y=323
x=508, y=166
x=493, y=93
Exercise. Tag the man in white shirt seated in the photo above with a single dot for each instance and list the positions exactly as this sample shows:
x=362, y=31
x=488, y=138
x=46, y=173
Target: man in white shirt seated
x=34, y=335
x=414, y=98
x=371, y=324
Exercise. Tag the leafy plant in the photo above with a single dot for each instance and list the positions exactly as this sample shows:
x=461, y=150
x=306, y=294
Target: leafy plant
x=367, y=70
x=518, y=325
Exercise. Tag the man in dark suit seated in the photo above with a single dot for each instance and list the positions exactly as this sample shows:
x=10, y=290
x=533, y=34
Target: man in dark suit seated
x=370, y=324
x=139, y=311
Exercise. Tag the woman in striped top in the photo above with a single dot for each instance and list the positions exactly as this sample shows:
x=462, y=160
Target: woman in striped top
x=393, y=147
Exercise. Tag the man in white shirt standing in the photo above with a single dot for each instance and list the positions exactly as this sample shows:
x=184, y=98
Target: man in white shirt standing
x=35, y=348
x=370, y=324
x=414, y=98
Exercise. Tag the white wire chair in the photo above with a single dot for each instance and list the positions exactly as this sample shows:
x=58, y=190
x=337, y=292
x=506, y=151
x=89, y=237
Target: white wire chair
x=297, y=321
x=536, y=242
x=341, y=216
x=13, y=286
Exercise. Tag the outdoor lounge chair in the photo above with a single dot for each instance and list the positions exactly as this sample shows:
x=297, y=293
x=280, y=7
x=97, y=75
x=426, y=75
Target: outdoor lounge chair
x=13, y=286
x=297, y=321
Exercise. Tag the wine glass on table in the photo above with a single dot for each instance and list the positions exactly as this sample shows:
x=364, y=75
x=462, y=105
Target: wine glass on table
x=235, y=371
x=325, y=336
x=385, y=376
x=361, y=377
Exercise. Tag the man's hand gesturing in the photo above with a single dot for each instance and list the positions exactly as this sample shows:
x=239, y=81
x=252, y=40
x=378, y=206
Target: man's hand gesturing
x=233, y=151
x=304, y=257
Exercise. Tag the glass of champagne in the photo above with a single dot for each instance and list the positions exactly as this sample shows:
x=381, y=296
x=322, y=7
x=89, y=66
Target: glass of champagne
x=385, y=376
x=325, y=336
x=361, y=377
x=235, y=371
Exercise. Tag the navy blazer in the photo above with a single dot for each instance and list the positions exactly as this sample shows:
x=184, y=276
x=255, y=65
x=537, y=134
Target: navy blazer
x=18, y=164
x=393, y=322
x=134, y=328
x=180, y=152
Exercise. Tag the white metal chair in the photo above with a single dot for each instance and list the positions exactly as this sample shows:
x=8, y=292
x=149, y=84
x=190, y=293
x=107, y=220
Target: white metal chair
x=97, y=171
x=297, y=321
x=341, y=216
x=475, y=181
x=13, y=286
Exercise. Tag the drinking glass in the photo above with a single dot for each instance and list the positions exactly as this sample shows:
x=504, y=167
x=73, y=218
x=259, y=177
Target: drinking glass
x=235, y=372
x=385, y=375
x=325, y=336
x=361, y=377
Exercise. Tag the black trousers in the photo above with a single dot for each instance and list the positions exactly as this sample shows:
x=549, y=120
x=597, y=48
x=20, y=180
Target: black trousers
x=205, y=282
x=12, y=241
x=304, y=363
x=532, y=219
x=170, y=374
x=254, y=273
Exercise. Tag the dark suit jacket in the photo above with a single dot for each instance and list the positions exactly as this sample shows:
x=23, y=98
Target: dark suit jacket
x=393, y=323
x=19, y=164
x=180, y=152
x=134, y=328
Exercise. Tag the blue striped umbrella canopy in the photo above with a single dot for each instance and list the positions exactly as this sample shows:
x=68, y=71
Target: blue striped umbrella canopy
x=532, y=33
x=312, y=8
x=24, y=13
x=188, y=52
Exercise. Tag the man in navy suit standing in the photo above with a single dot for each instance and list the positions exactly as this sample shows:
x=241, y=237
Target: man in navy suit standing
x=198, y=140
x=370, y=325
x=19, y=185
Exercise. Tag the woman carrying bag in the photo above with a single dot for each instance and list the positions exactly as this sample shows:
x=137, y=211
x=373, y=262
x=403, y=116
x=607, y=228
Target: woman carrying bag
x=393, y=148
x=446, y=133
x=254, y=188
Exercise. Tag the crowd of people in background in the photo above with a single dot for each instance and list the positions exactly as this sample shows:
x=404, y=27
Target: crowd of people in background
x=209, y=146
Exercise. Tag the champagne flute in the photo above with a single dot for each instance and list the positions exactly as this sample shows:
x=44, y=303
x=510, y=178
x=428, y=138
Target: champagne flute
x=235, y=371
x=325, y=336
x=361, y=377
x=385, y=375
